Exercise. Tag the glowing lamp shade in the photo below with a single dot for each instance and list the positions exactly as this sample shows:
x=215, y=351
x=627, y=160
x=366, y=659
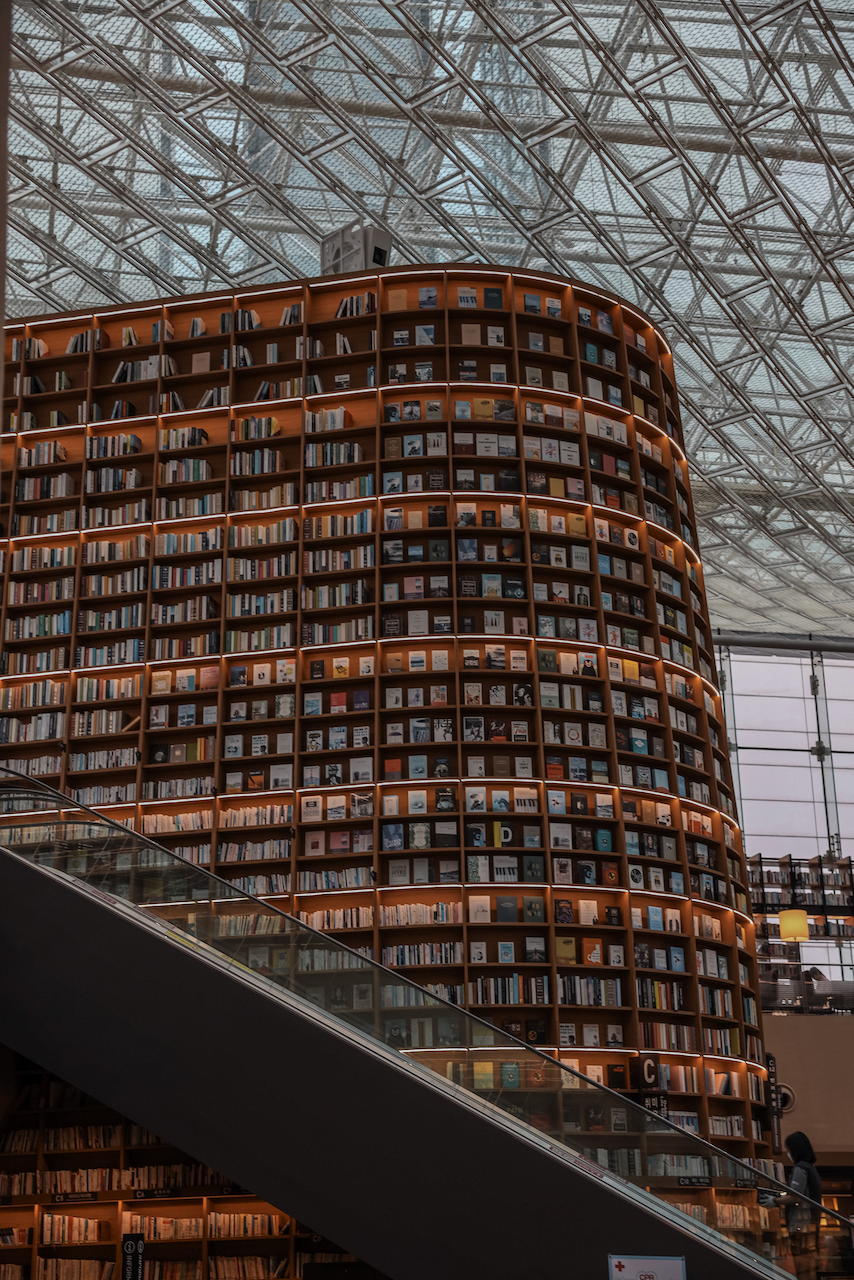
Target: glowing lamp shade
x=794, y=926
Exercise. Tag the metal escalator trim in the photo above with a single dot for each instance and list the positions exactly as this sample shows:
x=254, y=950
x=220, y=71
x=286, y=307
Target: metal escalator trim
x=67, y=803
x=400, y=1061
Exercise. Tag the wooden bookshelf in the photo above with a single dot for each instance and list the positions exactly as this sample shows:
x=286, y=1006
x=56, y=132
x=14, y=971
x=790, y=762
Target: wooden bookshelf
x=448, y=576
x=75, y=1176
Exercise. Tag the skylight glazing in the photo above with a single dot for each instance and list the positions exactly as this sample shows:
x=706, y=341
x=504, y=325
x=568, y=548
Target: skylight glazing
x=696, y=157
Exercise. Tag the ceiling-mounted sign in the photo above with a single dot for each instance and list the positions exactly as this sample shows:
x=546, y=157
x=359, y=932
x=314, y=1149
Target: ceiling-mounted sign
x=623, y=1267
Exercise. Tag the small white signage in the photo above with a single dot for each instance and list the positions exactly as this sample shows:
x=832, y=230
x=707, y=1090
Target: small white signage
x=649, y=1268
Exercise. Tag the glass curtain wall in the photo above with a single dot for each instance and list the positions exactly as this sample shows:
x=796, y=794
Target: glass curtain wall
x=791, y=729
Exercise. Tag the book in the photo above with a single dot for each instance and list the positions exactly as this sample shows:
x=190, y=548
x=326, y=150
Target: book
x=506, y=909
x=479, y=909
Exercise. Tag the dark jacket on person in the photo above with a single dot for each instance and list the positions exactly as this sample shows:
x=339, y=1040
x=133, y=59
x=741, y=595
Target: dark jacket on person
x=804, y=1180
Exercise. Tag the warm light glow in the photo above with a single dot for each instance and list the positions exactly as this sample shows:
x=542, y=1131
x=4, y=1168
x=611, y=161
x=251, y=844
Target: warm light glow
x=199, y=303
x=624, y=515
x=127, y=311
x=339, y=280
x=550, y=391
x=605, y=404
x=586, y=291
x=268, y=293
x=794, y=926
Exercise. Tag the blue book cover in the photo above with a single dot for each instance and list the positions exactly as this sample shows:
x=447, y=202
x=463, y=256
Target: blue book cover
x=393, y=835
x=677, y=959
x=418, y=766
x=602, y=840
x=577, y=769
x=655, y=918
x=632, y=843
x=510, y=1075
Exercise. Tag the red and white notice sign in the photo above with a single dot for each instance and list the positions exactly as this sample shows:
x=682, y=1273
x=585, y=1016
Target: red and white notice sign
x=646, y=1268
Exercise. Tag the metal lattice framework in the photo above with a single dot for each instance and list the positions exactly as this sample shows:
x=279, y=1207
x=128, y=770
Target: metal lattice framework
x=695, y=156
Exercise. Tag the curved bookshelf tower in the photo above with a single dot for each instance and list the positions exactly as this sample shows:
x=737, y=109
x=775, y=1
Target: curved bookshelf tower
x=404, y=626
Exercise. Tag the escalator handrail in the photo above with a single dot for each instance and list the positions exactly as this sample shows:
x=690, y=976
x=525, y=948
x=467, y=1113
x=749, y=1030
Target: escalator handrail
x=39, y=789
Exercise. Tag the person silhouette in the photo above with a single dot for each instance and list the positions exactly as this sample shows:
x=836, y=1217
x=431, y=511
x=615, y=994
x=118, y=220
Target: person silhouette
x=803, y=1205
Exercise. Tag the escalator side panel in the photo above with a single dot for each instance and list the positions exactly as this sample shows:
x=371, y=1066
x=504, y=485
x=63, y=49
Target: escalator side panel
x=400, y=1173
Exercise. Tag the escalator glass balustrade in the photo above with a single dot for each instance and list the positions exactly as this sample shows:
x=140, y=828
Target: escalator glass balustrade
x=639, y=1153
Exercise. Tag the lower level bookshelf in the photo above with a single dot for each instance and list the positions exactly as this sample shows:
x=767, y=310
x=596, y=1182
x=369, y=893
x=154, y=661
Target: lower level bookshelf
x=75, y=1177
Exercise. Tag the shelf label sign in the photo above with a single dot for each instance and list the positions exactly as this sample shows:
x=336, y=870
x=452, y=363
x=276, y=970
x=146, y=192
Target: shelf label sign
x=133, y=1248
x=775, y=1107
x=646, y=1268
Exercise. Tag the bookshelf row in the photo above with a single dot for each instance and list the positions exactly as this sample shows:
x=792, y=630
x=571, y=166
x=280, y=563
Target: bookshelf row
x=75, y=1177
x=158, y=620
x=592, y=970
x=64, y=1219
x=456, y=712
x=333, y=336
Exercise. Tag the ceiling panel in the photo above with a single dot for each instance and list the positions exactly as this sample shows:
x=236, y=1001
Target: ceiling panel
x=698, y=158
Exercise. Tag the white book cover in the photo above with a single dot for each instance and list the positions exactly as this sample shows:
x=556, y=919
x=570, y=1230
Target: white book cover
x=311, y=808
x=361, y=769
x=281, y=776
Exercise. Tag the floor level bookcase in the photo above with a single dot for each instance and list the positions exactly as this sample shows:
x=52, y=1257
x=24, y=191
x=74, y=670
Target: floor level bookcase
x=75, y=1176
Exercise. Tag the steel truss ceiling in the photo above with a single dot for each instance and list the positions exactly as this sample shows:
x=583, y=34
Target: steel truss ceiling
x=697, y=157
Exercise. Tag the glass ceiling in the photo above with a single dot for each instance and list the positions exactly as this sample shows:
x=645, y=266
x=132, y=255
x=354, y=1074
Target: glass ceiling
x=696, y=157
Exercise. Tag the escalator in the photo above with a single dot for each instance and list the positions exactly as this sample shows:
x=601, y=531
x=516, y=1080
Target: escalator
x=424, y=1140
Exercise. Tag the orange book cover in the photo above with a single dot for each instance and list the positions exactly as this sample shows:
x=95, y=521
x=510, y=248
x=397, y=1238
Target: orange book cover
x=535, y=1075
